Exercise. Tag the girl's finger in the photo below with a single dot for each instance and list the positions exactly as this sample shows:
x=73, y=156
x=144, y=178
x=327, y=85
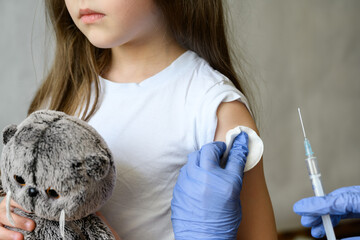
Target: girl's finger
x=13, y=204
x=20, y=222
x=6, y=234
x=16, y=205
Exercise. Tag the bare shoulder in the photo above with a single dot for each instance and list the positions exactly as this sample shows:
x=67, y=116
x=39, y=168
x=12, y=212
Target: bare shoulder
x=230, y=115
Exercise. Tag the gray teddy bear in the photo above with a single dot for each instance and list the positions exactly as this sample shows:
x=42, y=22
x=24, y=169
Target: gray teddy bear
x=59, y=169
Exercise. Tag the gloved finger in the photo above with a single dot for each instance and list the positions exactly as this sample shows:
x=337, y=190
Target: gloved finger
x=210, y=154
x=351, y=238
x=311, y=221
x=216, y=184
x=192, y=176
x=238, y=154
x=337, y=205
x=192, y=172
x=345, y=203
x=193, y=159
x=318, y=231
x=354, y=189
x=313, y=206
x=205, y=190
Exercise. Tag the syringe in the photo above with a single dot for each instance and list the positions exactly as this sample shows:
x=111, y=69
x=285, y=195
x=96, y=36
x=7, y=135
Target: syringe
x=315, y=175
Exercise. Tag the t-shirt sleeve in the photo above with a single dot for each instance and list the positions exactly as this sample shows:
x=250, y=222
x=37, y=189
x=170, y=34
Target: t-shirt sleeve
x=206, y=119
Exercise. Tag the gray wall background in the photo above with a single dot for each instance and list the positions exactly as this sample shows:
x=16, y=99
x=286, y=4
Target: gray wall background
x=302, y=54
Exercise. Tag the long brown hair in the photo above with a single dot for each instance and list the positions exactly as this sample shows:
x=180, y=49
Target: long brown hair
x=197, y=25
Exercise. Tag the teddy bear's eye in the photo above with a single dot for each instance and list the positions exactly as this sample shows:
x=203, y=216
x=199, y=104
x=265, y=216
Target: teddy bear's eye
x=52, y=193
x=19, y=180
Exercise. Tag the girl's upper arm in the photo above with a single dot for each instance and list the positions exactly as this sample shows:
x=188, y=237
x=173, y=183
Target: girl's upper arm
x=257, y=212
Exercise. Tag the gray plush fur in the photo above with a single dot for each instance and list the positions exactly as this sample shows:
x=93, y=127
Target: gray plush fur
x=51, y=150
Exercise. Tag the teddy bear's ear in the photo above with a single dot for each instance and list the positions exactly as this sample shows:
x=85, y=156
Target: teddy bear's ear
x=97, y=166
x=8, y=133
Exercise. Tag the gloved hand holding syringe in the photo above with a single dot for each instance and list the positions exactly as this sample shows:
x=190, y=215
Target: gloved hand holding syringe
x=315, y=175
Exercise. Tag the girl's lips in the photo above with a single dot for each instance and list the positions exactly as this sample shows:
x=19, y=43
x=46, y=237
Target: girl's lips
x=88, y=16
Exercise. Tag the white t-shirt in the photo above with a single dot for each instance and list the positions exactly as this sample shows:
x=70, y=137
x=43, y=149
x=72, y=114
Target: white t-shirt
x=150, y=128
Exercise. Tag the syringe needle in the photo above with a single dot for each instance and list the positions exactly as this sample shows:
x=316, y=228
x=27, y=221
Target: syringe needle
x=302, y=124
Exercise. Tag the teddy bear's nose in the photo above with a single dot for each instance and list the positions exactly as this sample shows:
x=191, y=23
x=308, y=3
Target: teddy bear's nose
x=32, y=192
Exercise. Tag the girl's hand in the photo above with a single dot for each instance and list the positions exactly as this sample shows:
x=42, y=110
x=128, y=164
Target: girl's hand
x=20, y=222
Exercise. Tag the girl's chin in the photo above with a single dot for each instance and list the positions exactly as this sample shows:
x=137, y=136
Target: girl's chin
x=100, y=44
x=103, y=44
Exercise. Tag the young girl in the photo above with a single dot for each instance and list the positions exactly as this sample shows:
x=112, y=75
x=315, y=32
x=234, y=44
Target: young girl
x=155, y=78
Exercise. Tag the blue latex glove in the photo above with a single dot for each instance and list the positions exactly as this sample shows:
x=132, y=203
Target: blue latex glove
x=340, y=204
x=206, y=198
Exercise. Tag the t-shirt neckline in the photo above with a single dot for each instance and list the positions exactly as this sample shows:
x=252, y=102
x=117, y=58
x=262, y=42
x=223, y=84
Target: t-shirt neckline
x=173, y=69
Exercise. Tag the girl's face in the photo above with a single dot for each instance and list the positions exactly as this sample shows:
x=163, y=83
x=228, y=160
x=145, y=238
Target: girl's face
x=111, y=23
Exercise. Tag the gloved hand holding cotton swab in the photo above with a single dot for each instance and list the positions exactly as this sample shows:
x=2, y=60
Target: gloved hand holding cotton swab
x=206, y=197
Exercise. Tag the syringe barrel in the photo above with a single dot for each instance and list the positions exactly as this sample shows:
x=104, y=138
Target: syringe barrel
x=311, y=164
x=319, y=191
x=317, y=186
x=314, y=174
